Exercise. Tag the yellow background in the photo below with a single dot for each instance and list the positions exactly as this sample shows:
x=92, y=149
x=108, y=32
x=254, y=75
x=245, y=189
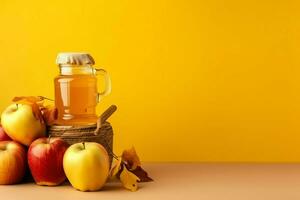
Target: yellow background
x=193, y=80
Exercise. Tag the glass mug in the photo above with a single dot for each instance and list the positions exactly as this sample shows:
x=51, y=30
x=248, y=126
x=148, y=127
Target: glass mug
x=76, y=89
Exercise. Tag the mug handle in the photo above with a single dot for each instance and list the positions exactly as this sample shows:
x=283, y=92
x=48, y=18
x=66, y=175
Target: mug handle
x=107, y=81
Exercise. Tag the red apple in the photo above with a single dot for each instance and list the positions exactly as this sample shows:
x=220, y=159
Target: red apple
x=3, y=135
x=12, y=162
x=45, y=159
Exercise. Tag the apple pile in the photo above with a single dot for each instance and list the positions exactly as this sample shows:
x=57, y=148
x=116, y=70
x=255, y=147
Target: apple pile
x=24, y=144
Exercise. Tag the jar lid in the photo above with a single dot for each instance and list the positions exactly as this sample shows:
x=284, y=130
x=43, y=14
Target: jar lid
x=74, y=58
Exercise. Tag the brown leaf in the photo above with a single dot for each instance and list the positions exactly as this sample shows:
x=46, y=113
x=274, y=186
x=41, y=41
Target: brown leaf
x=142, y=174
x=131, y=158
x=37, y=112
x=31, y=99
x=128, y=170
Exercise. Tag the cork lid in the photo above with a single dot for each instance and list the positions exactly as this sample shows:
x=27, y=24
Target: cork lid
x=74, y=58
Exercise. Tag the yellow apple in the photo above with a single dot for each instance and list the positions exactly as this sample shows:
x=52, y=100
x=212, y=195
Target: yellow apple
x=86, y=165
x=20, y=124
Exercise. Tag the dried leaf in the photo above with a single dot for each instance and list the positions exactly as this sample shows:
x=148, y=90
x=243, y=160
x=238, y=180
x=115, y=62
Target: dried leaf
x=50, y=114
x=28, y=99
x=142, y=174
x=37, y=112
x=131, y=158
x=129, y=180
x=116, y=168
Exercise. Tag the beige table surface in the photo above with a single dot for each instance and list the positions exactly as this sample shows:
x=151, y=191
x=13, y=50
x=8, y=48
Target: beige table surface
x=184, y=181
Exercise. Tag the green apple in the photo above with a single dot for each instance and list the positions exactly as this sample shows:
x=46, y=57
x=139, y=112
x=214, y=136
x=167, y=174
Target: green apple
x=21, y=125
x=86, y=165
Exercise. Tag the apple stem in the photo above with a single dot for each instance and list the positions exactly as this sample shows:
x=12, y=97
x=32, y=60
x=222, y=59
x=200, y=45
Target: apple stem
x=83, y=145
x=17, y=106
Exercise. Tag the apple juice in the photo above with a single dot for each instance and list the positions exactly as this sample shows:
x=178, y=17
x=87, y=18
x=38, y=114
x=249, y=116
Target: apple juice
x=76, y=90
x=76, y=98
